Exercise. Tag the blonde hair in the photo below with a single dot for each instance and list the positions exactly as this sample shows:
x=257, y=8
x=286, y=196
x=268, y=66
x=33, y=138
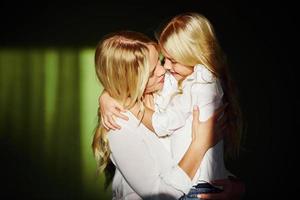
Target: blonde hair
x=122, y=67
x=190, y=39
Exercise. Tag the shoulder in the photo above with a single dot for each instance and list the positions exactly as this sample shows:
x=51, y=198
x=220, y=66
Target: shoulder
x=205, y=82
x=203, y=74
x=128, y=129
x=124, y=139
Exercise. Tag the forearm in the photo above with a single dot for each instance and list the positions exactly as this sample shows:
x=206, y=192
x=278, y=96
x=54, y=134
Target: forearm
x=202, y=139
x=151, y=179
x=192, y=158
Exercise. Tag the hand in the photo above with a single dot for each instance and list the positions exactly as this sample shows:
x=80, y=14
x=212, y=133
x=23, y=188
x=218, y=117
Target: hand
x=233, y=189
x=207, y=134
x=110, y=108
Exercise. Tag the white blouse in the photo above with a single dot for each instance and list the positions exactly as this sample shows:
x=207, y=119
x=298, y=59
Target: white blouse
x=144, y=167
x=174, y=119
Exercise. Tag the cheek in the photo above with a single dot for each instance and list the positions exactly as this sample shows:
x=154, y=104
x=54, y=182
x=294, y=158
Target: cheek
x=150, y=83
x=184, y=71
x=179, y=70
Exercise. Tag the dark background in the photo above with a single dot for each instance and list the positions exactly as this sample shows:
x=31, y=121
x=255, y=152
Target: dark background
x=258, y=38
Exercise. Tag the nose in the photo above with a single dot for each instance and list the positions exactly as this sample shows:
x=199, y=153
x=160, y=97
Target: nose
x=168, y=64
x=161, y=71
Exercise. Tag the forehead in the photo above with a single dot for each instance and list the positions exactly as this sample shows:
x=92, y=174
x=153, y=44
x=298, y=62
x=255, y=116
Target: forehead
x=166, y=54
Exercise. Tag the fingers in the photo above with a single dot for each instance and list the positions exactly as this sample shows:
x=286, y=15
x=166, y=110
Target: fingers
x=102, y=122
x=113, y=122
x=211, y=196
x=109, y=109
x=106, y=123
x=119, y=107
x=120, y=115
x=109, y=123
x=117, y=111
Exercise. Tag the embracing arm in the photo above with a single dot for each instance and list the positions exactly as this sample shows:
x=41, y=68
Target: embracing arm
x=139, y=167
x=110, y=108
x=204, y=136
x=137, y=164
x=202, y=88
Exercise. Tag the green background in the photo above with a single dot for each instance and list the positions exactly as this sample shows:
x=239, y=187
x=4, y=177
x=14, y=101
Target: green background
x=48, y=104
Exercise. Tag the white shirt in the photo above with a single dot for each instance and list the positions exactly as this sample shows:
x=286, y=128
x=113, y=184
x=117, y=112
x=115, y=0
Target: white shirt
x=174, y=118
x=161, y=102
x=144, y=167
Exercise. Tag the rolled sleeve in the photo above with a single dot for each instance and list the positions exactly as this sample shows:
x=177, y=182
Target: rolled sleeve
x=165, y=123
x=178, y=179
x=132, y=154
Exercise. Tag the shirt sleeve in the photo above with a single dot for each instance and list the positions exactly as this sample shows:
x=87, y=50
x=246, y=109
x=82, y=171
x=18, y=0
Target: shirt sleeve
x=172, y=118
x=135, y=161
x=208, y=97
x=206, y=94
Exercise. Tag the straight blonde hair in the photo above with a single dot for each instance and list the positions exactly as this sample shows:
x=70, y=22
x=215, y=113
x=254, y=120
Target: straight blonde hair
x=122, y=67
x=190, y=39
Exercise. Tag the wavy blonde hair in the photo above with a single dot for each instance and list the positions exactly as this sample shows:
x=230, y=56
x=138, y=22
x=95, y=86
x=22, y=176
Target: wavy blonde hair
x=122, y=67
x=190, y=39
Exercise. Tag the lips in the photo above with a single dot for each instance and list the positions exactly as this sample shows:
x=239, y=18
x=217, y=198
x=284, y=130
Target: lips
x=162, y=80
x=174, y=73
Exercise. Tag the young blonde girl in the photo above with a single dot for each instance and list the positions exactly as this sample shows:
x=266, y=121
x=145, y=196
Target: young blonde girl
x=195, y=59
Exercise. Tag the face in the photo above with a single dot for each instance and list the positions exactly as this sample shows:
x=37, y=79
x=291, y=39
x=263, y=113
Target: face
x=178, y=70
x=157, y=72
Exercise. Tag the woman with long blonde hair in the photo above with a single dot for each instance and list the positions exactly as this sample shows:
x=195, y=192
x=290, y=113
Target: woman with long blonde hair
x=128, y=67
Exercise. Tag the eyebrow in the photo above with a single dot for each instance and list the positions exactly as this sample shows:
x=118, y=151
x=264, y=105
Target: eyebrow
x=172, y=60
x=167, y=57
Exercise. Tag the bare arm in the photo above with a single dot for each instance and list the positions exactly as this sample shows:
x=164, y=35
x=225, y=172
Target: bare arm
x=203, y=137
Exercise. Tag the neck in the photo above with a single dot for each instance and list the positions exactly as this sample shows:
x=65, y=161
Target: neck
x=136, y=110
x=149, y=100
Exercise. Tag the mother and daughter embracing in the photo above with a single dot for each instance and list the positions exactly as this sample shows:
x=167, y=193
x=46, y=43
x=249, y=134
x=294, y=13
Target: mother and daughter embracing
x=169, y=114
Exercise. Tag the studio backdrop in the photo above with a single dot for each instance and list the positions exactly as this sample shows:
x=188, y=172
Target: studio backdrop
x=48, y=112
